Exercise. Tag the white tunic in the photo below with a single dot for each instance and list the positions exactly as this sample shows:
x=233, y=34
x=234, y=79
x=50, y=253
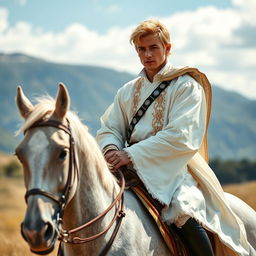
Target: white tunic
x=166, y=138
x=160, y=159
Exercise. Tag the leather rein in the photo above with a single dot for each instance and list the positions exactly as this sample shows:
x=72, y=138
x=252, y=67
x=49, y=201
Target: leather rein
x=67, y=236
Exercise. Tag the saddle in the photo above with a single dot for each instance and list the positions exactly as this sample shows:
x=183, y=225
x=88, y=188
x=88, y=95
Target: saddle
x=154, y=207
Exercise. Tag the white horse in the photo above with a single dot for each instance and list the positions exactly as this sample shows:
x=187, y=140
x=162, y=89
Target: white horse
x=69, y=184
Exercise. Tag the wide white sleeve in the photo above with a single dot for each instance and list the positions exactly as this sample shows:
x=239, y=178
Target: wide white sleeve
x=159, y=159
x=113, y=125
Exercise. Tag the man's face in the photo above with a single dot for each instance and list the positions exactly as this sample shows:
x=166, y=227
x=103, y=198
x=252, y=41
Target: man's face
x=152, y=53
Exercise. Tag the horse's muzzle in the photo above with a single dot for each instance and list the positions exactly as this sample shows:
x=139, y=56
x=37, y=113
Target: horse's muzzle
x=40, y=242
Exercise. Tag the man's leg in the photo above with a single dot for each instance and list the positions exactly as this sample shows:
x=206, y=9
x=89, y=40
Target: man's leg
x=196, y=238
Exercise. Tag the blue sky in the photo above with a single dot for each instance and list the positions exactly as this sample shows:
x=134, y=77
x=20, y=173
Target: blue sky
x=99, y=15
x=217, y=36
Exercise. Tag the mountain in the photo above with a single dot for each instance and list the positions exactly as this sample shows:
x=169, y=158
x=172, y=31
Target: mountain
x=91, y=88
x=232, y=132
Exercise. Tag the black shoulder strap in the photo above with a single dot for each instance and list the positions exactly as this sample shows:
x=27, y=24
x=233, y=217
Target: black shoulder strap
x=141, y=111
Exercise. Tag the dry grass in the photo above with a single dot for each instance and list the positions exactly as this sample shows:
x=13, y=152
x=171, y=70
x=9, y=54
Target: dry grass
x=6, y=158
x=246, y=191
x=11, y=216
x=12, y=209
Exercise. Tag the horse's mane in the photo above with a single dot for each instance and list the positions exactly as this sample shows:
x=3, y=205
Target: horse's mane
x=84, y=141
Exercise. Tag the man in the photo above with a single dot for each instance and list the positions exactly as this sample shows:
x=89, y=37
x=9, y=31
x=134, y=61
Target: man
x=166, y=141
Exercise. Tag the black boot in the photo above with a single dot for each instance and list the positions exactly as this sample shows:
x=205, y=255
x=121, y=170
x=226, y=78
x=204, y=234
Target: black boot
x=195, y=237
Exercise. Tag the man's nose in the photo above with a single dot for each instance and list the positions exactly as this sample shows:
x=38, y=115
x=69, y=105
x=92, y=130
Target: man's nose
x=148, y=53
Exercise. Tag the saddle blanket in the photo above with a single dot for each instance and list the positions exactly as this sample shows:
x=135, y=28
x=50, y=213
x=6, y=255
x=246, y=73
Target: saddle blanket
x=171, y=239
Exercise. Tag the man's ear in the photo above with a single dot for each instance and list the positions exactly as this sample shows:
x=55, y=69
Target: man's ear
x=168, y=48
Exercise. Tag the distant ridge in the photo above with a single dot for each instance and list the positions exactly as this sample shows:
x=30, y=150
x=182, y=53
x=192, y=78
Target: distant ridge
x=232, y=133
x=18, y=57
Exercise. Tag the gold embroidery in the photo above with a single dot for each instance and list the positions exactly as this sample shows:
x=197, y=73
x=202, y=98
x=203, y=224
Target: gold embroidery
x=158, y=118
x=136, y=96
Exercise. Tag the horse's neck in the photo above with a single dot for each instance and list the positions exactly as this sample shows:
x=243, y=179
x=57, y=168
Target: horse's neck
x=92, y=197
x=90, y=200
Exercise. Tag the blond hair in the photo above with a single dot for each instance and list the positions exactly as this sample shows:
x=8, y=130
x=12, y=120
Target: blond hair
x=148, y=27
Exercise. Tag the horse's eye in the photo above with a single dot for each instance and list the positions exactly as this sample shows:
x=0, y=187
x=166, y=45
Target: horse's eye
x=63, y=154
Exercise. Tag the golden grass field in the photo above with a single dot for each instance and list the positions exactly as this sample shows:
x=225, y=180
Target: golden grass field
x=12, y=209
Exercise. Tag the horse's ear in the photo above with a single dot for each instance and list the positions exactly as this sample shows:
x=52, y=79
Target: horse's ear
x=23, y=103
x=62, y=102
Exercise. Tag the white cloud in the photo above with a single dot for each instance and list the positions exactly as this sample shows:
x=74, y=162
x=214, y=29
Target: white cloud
x=234, y=81
x=3, y=19
x=246, y=9
x=221, y=42
x=76, y=44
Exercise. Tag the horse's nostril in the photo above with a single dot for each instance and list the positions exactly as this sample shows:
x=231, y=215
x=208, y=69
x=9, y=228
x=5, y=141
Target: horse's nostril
x=39, y=235
x=48, y=231
x=22, y=232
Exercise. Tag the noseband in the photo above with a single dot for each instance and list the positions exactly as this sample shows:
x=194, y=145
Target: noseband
x=66, y=236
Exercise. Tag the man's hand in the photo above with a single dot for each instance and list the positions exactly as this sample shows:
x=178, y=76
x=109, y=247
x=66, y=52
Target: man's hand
x=117, y=158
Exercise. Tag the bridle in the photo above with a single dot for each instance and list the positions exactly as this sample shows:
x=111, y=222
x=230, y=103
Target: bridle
x=67, y=236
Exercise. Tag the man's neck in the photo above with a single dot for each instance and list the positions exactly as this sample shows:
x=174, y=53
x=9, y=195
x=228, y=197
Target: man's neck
x=151, y=73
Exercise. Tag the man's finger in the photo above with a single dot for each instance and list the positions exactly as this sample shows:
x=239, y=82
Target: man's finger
x=110, y=156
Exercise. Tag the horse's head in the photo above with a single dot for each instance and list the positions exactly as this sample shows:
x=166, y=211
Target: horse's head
x=47, y=156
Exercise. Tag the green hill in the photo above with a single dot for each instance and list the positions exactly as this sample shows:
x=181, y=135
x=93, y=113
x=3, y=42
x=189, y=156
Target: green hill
x=231, y=133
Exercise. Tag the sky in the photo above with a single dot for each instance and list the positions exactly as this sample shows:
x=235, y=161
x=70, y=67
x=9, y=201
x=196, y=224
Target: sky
x=216, y=36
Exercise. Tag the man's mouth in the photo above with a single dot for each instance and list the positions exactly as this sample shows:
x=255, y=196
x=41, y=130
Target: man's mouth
x=149, y=62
